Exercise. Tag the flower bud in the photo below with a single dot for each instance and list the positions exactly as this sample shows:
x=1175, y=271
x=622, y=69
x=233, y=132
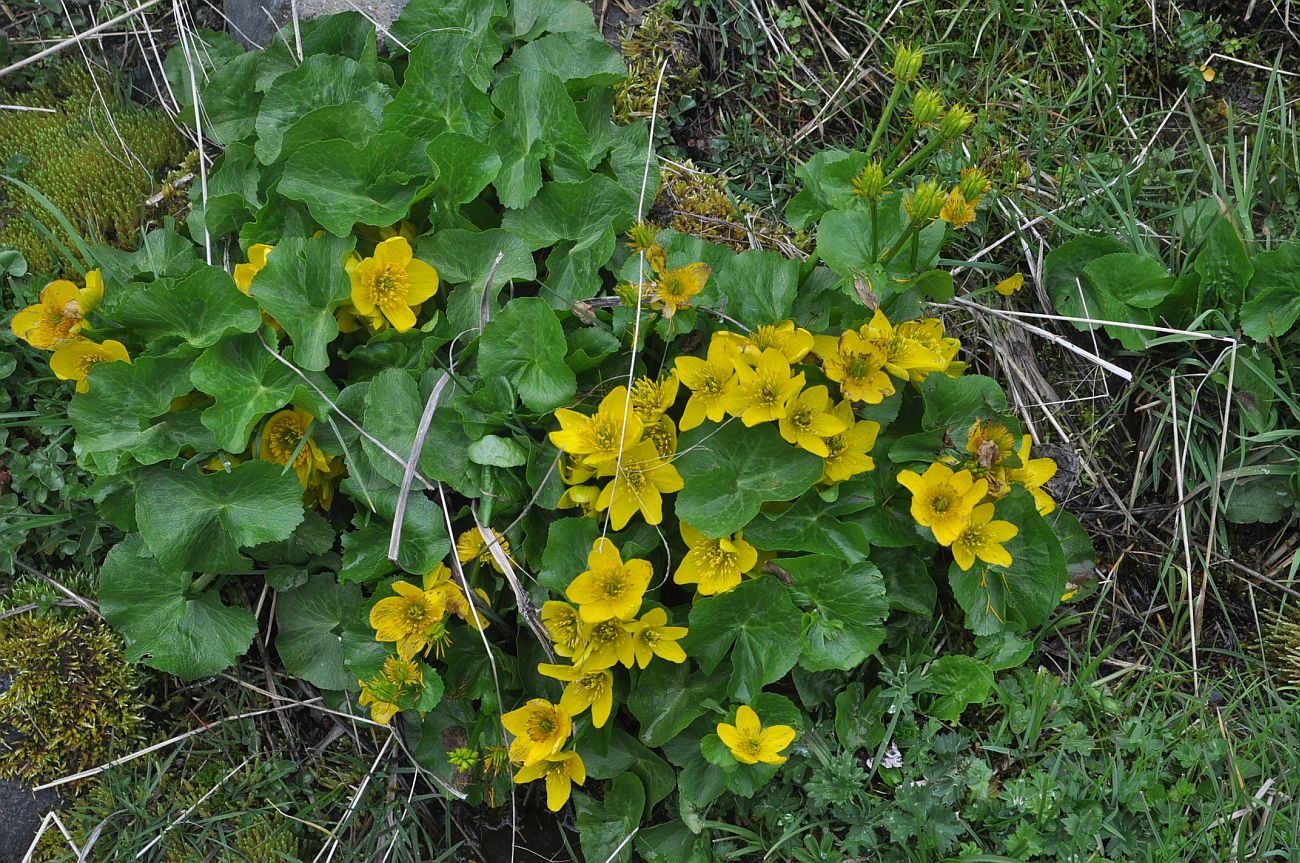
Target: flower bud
x=974, y=184
x=927, y=108
x=957, y=211
x=870, y=182
x=925, y=202
x=907, y=63
x=956, y=122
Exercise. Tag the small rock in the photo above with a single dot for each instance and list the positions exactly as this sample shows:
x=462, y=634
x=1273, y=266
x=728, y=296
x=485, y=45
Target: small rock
x=21, y=813
x=255, y=22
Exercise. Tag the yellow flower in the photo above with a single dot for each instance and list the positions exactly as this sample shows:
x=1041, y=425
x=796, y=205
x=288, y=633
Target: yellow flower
x=957, y=211
x=599, y=438
x=751, y=743
x=763, y=391
x=74, y=358
x=438, y=582
x=904, y=357
x=942, y=500
x=608, y=642
x=793, y=343
x=1011, y=285
x=564, y=625
x=586, y=687
x=471, y=546
x=848, y=452
x=282, y=437
x=677, y=286
x=350, y=320
x=809, y=419
x=710, y=381
x=383, y=690
x=581, y=497
x=982, y=537
x=714, y=565
x=1033, y=474
x=540, y=728
x=651, y=397
x=974, y=184
x=609, y=588
x=561, y=771
x=643, y=477
x=857, y=365
x=663, y=435
x=61, y=313
x=407, y=618
x=989, y=443
x=653, y=637
x=928, y=332
x=256, y=261
x=393, y=281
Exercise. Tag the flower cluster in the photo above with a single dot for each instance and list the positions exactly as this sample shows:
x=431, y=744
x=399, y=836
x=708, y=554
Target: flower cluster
x=958, y=505
x=57, y=322
x=602, y=631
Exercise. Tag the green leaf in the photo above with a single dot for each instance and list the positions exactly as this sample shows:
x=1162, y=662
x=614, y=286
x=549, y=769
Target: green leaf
x=825, y=184
x=247, y=383
x=1258, y=500
x=745, y=780
x=760, y=286
x=301, y=285
x=465, y=167
x=12, y=263
x=197, y=522
x=847, y=610
x=952, y=404
x=314, y=536
x=582, y=60
x=321, y=80
x=308, y=621
x=936, y=285
x=668, y=696
x=1274, y=290
x=756, y=625
x=164, y=624
x=1018, y=597
x=1224, y=266
x=343, y=185
x=439, y=93
x=540, y=127
x=625, y=755
x=525, y=345
x=424, y=23
x=605, y=825
x=673, y=842
x=498, y=451
x=1063, y=274
x=588, y=213
x=232, y=194
x=529, y=19
x=125, y=414
x=568, y=542
x=959, y=681
x=730, y=472
x=394, y=405
x=466, y=257
x=809, y=526
x=365, y=553
x=198, y=310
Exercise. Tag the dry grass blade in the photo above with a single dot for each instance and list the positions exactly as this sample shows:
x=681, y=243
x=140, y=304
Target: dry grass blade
x=408, y=472
x=85, y=34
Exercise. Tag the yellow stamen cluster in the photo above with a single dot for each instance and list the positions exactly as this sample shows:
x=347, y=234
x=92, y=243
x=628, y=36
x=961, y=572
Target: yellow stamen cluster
x=400, y=681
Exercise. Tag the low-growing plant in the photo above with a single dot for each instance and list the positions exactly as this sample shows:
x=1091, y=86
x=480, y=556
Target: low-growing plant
x=571, y=510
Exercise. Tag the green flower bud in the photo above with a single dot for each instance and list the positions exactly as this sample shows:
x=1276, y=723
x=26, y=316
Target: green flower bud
x=974, y=184
x=927, y=108
x=956, y=122
x=870, y=182
x=907, y=62
x=925, y=202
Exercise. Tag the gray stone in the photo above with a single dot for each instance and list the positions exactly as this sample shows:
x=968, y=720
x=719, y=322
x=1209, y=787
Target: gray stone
x=21, y=813
x=255, y=22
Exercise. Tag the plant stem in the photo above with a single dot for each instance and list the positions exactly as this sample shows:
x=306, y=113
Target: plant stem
x=923, y=153
x=913, y=228
x=201, y=582
x=875, y=233
x=884, y=117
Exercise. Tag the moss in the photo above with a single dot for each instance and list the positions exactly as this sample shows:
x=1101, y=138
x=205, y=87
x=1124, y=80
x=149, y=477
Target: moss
x=71, y=700
x=1282, y=645
x=699, y=204
x=658, y=38
x=74, y=157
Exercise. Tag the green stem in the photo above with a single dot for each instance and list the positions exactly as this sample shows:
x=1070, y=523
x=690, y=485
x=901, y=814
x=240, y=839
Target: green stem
x=916, y=245
x=913, y=228
x=885, y=116
x=200, y=583
x=923, y=153
x=875, y=233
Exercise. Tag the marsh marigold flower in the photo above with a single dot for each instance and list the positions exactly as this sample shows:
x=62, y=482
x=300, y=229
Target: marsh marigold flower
x=793, y=343
x=540, y=728
x=809, y=420
x=714, y=565
x=244, y=273
x=470, y=545
x=989, y=443
x=903, y=357
x=609, y=588
x=381, y=692
x=651, y=397
x=1033, y=474
x=561, y=771
x=74, y=358
x=928, y=332
x=942, y=500
x=407, y=618
x=565, y=627
x=957, y=211
x=439, y=584
x=599, y=438
x=608, y=642
x=60, y=314
x=652, y=636
x=677, y=286
x=639, y=482
x=282, y=441
x=586, y=687
x=763, y=392
x=392, y=280
x=710, y=381
x=982, y=537
x=848, y=453
x=857, y=365
x=751, y=743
